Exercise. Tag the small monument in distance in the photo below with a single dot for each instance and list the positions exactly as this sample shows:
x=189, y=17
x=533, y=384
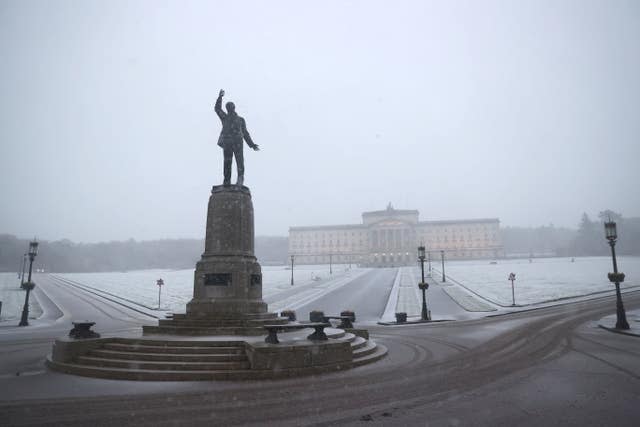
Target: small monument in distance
x=227, y=289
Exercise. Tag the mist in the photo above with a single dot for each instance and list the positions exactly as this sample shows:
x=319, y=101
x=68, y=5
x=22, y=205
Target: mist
x=525, y=111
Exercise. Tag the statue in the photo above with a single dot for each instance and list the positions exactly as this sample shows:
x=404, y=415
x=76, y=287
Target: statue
x=233, y=133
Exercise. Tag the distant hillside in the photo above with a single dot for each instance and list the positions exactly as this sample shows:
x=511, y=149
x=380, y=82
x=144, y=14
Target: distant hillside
x=67, y=256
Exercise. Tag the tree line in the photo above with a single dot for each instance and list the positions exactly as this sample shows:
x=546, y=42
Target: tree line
x=586, y=240
x=66, y=256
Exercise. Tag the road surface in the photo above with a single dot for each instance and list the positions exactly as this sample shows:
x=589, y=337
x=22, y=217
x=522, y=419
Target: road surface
x=367, y=296
x=550, y=366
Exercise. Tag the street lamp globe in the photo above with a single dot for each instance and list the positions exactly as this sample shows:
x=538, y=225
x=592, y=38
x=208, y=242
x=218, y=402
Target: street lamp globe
x=33, y=248
x=610, y=230
x=421, y=252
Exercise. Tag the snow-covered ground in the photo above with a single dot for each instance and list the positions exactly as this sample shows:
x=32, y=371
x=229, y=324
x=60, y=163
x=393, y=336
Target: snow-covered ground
x=12, y=298
x=140, y=286
x=543, y=279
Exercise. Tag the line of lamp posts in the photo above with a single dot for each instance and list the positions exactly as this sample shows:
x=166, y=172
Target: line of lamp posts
x=616, y=277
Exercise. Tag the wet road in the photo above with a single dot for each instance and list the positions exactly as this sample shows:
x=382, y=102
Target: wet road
x=551, y=366
x=23, y=350
x=367, y=295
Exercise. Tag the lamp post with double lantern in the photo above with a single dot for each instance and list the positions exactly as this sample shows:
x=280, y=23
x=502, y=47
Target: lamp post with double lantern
x=616, y=277
x=423, y=285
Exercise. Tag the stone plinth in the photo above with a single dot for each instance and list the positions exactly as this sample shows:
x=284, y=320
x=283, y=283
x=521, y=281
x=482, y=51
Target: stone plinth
x=228, y=279
x=227, y=286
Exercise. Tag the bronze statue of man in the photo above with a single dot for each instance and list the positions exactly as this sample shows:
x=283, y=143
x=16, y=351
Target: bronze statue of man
x=233, y=133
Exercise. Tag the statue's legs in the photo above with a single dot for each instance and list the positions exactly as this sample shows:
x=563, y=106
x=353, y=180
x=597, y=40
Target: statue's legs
x=228, y=154
x=237, y=151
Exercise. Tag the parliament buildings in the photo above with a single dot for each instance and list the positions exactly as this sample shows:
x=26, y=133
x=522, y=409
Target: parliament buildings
x=391, y=237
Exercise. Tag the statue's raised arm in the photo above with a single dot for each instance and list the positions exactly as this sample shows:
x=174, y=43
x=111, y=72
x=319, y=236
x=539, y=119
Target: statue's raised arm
x=218, y=106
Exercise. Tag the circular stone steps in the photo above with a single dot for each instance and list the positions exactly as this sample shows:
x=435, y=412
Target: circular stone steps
x=191, y=359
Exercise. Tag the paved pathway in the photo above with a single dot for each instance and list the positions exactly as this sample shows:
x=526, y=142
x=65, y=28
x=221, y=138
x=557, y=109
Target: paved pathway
x=297, y=296
x=444, y=300
x=467, y=301
x=366, y=294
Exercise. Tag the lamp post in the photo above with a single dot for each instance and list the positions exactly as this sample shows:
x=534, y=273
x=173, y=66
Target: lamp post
x=24, y=264
x=28, y=285
x=292, y=257
x=423, y=285
x=616, y=277
x=330, y=264
x=160, y=283
x=429, y=257
x=442, y=256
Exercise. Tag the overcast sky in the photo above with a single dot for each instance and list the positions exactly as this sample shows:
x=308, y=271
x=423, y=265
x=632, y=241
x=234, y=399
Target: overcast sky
x=528, y=111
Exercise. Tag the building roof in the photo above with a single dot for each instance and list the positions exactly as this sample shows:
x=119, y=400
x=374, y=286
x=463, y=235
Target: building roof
x=327, y=227
x=459, y=221
x=391, y=211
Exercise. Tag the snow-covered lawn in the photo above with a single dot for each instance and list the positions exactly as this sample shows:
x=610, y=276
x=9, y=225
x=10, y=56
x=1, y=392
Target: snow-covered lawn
x=543, y=279
x=140, y=286
x=12, y=298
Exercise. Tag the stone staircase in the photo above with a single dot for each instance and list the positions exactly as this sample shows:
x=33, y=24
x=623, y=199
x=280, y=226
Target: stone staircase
x=157, y=360
x=247, y=324
x=192, y=360
x=364, y=350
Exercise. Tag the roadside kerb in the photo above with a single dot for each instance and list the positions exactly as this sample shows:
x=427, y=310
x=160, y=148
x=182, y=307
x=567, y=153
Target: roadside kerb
x=390, y=309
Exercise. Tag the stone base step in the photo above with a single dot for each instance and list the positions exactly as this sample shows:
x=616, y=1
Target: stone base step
x=167, y=357
x=175, y=349
x=175, y=343
x=165, y=375
x=240, y=316
x=364, y=350
x=160, y=365
x=216, y=323
x=369, y=356
x=358, y=342
x=202, y=331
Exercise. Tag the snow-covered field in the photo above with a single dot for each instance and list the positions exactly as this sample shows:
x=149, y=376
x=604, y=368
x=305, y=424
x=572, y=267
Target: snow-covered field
x=12, y=298
x=140, y=286
x=543, y=279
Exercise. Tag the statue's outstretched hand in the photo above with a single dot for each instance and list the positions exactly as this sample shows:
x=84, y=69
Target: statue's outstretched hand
x=221, y=94
x=255, y=147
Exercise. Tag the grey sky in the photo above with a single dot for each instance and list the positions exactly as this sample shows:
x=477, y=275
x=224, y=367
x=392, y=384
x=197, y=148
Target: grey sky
x=523, y=110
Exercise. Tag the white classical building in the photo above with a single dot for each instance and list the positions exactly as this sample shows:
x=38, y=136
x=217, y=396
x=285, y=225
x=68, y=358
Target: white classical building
x=391, y=237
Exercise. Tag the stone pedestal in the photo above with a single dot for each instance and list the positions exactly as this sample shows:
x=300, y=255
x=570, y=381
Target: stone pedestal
x=228, y=279
x=227, y=286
